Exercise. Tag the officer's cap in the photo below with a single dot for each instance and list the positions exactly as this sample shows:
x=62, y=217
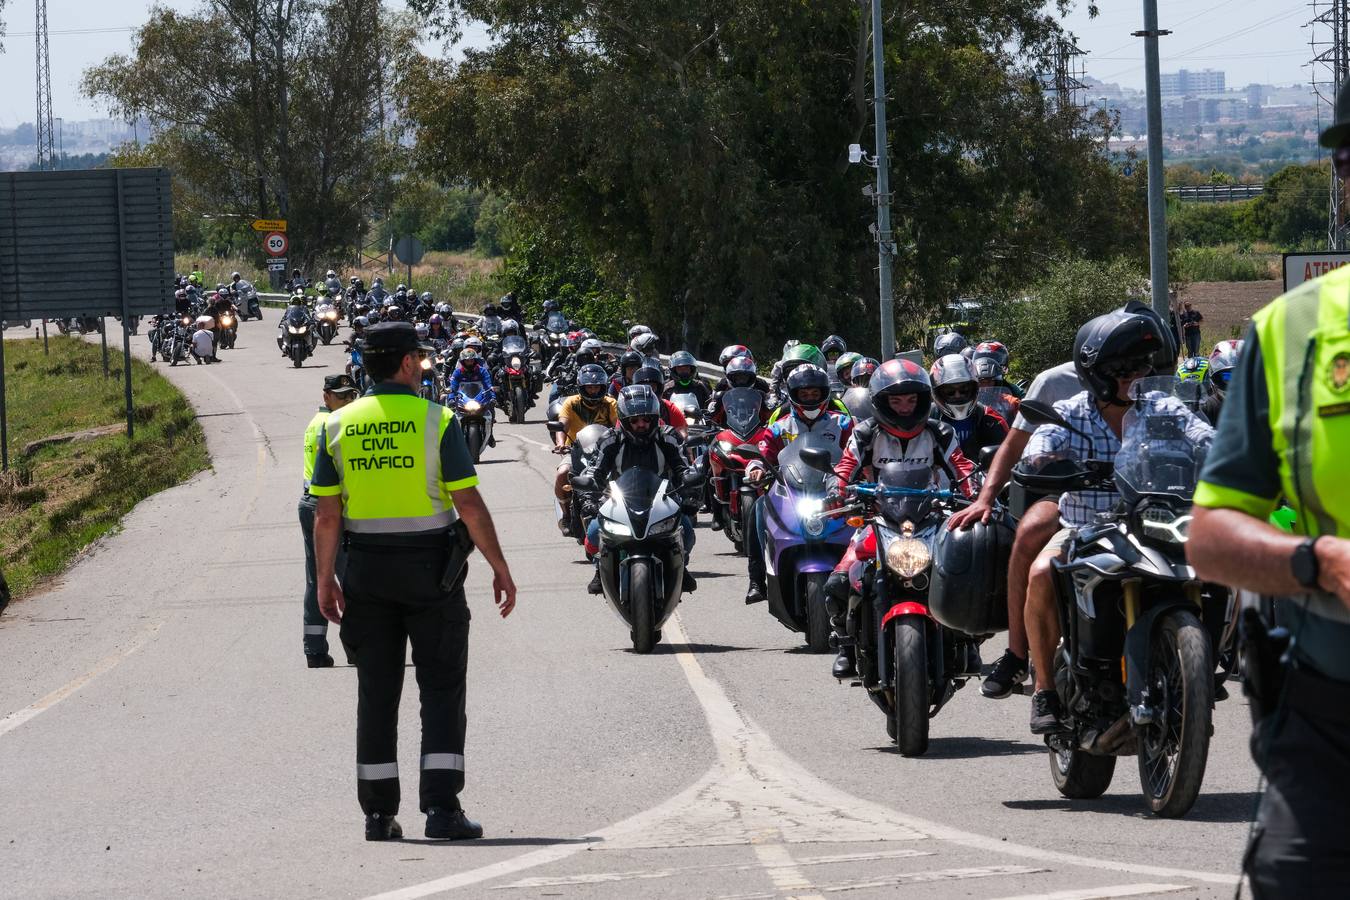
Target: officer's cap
x=393, y=337
x=339, y=384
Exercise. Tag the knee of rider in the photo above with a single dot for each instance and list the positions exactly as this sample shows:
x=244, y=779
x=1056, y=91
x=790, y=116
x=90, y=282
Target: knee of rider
x=1041, y=572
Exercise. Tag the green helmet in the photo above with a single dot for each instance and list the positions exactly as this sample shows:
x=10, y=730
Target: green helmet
x=1193, y=369
x=843, y=366
x=799, y=355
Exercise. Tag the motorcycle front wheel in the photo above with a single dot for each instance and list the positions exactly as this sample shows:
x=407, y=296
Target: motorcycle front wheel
x=817, y=618
x=473, y=436
x=911, y=686
x=642, y=603
x=1173, y=749
x=297, y=355
x=518, y=402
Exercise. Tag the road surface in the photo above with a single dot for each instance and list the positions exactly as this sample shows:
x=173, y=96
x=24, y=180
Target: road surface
x=160, y=735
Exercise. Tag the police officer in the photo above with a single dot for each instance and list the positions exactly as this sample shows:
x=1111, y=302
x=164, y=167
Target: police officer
x=1285, y=433
x=396, y=484
x=338, y=391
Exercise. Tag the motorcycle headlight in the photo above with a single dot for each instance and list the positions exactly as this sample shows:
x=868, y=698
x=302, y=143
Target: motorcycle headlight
x=426, y=364
x=515, y=362
x=618, y=529
x=908, y=557
x=297, y=330
x=472, y=406
x=726, y=447
x=226, y=321
x=808, y=511
x=1165, y=524
x=665, y=526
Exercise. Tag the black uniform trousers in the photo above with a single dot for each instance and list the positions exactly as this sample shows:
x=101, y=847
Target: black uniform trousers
x=316, y=626
x=1301, y=847
x=394, y=596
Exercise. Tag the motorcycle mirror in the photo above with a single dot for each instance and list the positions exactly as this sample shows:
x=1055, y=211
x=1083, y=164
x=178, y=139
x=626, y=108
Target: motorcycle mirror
x=583, y=482
x=987, y=455
x=818, y=459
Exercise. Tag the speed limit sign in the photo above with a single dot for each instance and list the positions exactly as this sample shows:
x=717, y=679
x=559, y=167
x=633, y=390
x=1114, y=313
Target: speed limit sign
x=275, y=243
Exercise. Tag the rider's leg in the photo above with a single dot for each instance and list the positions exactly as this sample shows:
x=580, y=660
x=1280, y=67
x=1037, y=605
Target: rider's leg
x=564, y=497
x=1035, y=529
x=1042, y=621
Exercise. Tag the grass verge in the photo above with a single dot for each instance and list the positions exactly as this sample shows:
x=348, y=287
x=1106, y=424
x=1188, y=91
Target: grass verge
x=57, y=500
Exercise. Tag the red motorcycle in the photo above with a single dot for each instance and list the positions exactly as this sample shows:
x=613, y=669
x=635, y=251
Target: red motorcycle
x=734, y=447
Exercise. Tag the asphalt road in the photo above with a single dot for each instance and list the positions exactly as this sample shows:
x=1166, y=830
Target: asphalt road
x=161, y=737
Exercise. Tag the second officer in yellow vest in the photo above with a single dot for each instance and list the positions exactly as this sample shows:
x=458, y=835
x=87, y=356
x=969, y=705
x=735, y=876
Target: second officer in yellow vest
x=397, y=487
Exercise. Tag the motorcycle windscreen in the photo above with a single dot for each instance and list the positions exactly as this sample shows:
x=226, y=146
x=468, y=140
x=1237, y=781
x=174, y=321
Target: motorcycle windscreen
x=796, y=474
x=297, y=315
x=556, y=323
x=859, y=403
x=637, y=489
x=687, y=403
x=743, y=407
x=913, y=508
x=513, y=344
x=1163, y=443
x=999, y=400
x=491, y=325
x=471, y=389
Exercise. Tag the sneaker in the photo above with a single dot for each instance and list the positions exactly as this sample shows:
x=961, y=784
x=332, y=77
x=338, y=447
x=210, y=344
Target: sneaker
x=1045, y=713
x=451, y=825
x=382, y=828
x=595, y=587
x=1009, y=671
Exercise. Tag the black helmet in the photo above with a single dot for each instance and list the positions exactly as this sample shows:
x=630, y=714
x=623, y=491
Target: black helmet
x=896, y=377
x=639, y=412
x=630, y=359
x=590, y=376
x=862, y=371
x=649, y=375
x=970, y=577
x=948, y=342
x=550, y=306
x=489, y=310
x=833, y=344
x=682, y=359
x=1129, y=341
x=741, y=372
x=805, y=377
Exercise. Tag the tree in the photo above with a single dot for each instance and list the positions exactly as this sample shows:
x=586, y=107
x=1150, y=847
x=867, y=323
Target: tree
x=696, y=152
x=282, y=116
x=1293, y=206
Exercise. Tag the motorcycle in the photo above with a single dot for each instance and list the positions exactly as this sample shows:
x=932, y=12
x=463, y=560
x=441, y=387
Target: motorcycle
x=228, y=330
x=564, y=386
x=729, y=453
x=555, y=328
x=641, y=549
x=297, y=330
x=859, y=403
x=516, y=383
x=1135, y=671
x=473, y=407
x=801, y=548
x=432, y=381
x=326, y=322
x=584, y=452
x=181, y=340
x=696, y=443
x=247, y=301
x=356, y=368
x=999, y=400
x=910, y=663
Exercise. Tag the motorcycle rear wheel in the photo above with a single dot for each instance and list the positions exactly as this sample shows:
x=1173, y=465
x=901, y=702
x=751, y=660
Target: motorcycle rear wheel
x=1174, y=751
x=911, y=686
x=817, y=618
x=642, y=602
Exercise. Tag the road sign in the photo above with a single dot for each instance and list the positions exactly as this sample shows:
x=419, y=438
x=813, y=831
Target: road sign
x=277, y=265
x=269, y=224
x=409, y=250
x=1301, y=267
x=275, y=243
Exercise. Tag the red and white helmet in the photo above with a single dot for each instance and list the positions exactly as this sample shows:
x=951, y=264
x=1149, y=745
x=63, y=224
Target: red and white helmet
x=897, y=377
x=731, y=351
x=1223, y=347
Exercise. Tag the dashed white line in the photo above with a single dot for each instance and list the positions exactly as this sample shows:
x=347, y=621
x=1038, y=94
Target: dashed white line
x=1106, y=893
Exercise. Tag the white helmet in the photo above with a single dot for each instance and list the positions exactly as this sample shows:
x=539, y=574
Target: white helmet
x=637, y=330
x=645, y=343
x=955, y=387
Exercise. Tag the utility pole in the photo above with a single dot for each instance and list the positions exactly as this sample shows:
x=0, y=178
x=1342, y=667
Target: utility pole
x=885, y=241
x=1330, y=70
x=1157, y=208
x=45, y=151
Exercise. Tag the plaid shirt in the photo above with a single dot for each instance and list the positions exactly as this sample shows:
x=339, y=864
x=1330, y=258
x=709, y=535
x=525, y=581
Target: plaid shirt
x=1078, y=508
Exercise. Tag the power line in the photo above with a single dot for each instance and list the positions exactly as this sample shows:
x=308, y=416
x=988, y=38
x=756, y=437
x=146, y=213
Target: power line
x=1205, y=45
x=111, y=30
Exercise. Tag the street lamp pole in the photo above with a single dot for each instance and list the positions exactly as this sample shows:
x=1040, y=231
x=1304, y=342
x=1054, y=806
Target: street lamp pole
x=885, y=243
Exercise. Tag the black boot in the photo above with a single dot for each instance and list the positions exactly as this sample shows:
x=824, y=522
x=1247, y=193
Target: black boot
x=451, y=825
x=595, y=587
x=845, y=664
x=690, y=583
x=382, y=828
x=755, y=593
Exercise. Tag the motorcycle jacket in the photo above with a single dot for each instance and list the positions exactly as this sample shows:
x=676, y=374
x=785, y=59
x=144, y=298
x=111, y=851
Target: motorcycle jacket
x=576, y=415
x=696, y=386
x=934, y=448
x=982, y=428
x=480, y=374
x=619, y=452
x=831, y=426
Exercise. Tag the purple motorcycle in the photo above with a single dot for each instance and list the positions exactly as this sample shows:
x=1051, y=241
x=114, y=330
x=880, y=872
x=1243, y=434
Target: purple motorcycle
x=801, y=548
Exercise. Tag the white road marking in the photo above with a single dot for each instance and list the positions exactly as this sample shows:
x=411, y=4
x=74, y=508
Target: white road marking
x=904, y=879
x=38, y=707
x=518, y=437
x=1107, y=893
x=786, y=876
x=754, y=790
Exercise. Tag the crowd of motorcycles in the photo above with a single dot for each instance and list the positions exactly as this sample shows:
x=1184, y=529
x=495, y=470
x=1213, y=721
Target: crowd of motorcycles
x=1146, y=647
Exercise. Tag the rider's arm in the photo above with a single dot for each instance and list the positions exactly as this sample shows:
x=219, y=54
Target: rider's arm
x=854, y=459
x=570, y=422
x=455, y=377
x=677, y=419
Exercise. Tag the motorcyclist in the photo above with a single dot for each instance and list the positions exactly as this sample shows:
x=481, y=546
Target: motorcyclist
x=426, y=305
x=684, y=379
x=991, y=367
x=332, y=284
x=510, y=307
x=1222, y=366
x=591, y=405
x=731, y=351
x=297, y=302
x=777, y=376
x=832, y=347
x=436, y=332
x=639, y=441
x=740, y=372
x=808, y=393
x=863, y=370
x=470, y=367
x=646, y=344
x=402, y=299
x=377, y=294
x=1111, y=352
x=760, y=383
x=635, y=331
x=297, y=282
x=391, y=312
x=356, y=288
x=629, y=362
x=671, y=415
x=181, y=304
x=842, y=372
x=946, y=343
x=955, y=389
x=798, y=355
x=900, y=432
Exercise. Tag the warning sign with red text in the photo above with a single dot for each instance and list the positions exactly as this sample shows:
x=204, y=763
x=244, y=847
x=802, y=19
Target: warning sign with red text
x=1301, y=267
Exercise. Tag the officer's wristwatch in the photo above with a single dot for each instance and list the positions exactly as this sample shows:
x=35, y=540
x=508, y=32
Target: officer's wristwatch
x=1304, y=563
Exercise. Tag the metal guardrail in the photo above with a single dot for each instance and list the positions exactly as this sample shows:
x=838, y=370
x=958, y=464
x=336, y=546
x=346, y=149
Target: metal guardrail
x=1217, y=193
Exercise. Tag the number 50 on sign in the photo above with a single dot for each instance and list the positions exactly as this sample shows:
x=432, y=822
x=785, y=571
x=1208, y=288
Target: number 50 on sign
x=275, y=244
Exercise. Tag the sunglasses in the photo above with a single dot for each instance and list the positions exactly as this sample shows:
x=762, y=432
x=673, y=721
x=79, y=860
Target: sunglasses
x=961, y=394
x=1126, y=368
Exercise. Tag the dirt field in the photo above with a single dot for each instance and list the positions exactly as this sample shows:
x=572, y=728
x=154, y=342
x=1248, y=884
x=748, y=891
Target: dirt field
x=1228, y=305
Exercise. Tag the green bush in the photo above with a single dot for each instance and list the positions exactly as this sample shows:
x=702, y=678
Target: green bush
x=544, y=263
x=1207, y=224
x=1040, y=327
x=1220, y=264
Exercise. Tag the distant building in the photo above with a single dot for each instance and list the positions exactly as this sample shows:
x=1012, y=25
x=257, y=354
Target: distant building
x=1185, y=83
